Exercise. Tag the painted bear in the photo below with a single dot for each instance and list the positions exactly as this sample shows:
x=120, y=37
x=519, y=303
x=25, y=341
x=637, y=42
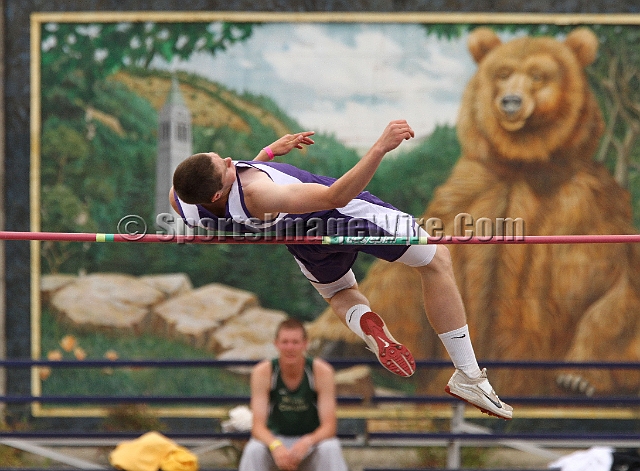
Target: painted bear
x=529, y=126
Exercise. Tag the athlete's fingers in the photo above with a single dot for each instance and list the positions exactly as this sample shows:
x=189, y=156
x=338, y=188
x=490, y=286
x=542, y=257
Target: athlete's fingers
x=404, y=128
x=302, y=138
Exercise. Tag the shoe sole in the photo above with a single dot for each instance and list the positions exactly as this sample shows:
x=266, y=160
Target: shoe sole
x=482, y=409
x=394, y=356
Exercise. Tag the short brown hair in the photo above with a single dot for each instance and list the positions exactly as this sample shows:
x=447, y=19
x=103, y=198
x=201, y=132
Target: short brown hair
x=196, y=179
x=292, y=324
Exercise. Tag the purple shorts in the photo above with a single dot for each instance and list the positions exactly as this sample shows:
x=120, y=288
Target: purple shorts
x=330, y=263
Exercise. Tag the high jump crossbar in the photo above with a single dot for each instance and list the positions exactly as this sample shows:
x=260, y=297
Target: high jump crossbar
x=259, y=238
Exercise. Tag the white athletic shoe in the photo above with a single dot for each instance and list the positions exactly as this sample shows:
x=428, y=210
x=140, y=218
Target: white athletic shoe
x=479, y=393
x=391, y=354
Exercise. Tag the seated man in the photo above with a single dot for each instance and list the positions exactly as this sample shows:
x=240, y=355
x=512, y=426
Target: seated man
x=294, y=409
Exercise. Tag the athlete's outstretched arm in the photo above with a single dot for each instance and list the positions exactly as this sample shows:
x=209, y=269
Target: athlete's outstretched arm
x=266, y=197
x=286, y=144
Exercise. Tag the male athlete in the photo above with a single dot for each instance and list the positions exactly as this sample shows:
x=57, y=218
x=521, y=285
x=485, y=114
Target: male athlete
x=264, y=196
x=293, y=401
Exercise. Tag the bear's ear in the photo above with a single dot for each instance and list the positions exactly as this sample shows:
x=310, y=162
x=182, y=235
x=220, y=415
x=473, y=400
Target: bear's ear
x=584, y=44
x=481, y=41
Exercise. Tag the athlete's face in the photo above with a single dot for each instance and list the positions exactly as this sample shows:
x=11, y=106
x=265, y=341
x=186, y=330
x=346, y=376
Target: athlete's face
x=291, y=345
x=226, y=170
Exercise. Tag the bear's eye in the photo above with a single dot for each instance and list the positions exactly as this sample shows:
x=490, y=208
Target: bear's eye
x=503, y=73
x=537, y=76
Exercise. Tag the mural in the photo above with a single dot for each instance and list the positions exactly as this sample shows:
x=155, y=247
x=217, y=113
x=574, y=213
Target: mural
x=536, y=122
x=530, y=127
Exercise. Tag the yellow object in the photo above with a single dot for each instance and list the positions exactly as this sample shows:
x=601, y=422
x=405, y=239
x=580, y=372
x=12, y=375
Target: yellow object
x=151, y=452
x=274, y=444
x=179, y=459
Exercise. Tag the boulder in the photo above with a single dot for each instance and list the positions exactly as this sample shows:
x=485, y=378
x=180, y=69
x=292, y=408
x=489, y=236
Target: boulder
x=193, y=317
x=49, y=284
x=172, y=284
x=106, y=302
x=255, y=326
x=248, y=352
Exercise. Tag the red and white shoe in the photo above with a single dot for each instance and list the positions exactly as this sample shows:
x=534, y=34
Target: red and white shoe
x=391, y=354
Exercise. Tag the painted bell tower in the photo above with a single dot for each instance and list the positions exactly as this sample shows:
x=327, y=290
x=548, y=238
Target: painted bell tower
x=174, y=144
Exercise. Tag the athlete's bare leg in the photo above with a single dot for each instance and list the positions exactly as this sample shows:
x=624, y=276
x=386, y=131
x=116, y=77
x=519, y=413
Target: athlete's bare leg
x=344, y=300
x=442, y=300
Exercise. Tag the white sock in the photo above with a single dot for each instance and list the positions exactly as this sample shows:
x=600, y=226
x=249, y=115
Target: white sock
x=459, y=348
x=353, y=318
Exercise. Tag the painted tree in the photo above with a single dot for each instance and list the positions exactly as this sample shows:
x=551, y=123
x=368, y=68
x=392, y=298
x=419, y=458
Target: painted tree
x=76, y=58
x=77, y=55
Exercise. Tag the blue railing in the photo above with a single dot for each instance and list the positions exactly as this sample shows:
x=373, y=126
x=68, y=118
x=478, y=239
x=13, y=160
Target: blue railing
x=457, y=437
x=338, y=363
x=604, y=401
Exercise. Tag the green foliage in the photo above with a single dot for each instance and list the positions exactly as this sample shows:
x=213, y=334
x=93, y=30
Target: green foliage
x=129, y=381
x=271, y=107
x=76, y=56
x=66, y=151
x=65, y=213
x=614, y=76
x=86, y=186
x=634, y=189
x=64, y=155
x=455, y=30
x=228, y=142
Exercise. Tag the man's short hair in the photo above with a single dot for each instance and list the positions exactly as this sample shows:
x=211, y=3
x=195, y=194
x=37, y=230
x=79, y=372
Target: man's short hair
x=196, y=179
x=291, y=324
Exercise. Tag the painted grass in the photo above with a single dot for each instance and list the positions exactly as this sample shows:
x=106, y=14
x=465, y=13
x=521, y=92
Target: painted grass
x=132, y=381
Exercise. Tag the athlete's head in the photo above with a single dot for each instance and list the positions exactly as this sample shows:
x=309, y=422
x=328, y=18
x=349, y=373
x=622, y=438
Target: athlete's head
x=291, y=341
x=291, y=324
x=201, y=178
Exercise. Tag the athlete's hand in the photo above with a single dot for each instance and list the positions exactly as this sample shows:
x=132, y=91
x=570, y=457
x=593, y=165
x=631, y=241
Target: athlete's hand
x=284, y=459
x=300, y=449
x=395, y=132
x=290, y=141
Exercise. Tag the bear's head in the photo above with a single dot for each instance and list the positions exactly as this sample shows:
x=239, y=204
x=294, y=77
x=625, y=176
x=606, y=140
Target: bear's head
x=529, y=100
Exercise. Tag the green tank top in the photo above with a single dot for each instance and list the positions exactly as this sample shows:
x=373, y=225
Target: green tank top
x=293, y=413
